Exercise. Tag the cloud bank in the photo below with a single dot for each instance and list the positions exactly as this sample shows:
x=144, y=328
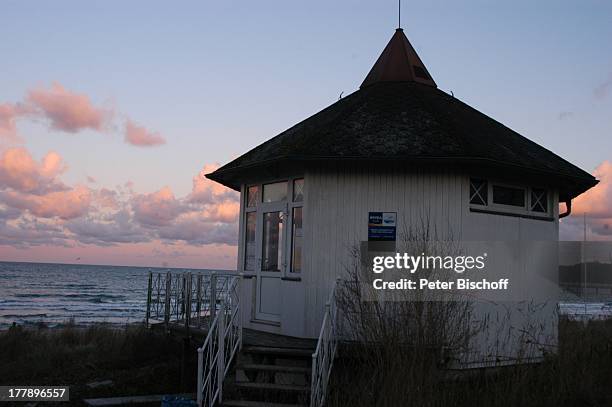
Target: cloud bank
x=43, y=214
x=38, y=208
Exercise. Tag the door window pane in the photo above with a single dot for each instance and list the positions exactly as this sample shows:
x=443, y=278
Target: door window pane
x=508, y=196
x=298, y=190
x=275, y=192
x=249, y=242
x=272, y=244
x=296, y=241
x=252, y=196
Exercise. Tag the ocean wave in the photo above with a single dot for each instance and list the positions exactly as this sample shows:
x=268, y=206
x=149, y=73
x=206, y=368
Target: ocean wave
x=24, y=316
x=55, y=293
x=70, y=295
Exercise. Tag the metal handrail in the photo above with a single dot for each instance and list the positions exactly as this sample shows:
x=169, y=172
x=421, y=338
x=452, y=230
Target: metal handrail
x=188, y=298
x=222, y=343
x=325, y=352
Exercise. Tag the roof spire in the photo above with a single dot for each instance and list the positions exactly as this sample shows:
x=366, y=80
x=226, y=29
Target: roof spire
x=398, y=62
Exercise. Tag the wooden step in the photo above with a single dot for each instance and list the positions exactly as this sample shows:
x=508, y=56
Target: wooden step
x=286, y=352
x=246, y=403
x=272, y=386
x=275, y=368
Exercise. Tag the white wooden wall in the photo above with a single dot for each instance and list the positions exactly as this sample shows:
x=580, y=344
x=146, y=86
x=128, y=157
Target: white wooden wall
x=338, y=200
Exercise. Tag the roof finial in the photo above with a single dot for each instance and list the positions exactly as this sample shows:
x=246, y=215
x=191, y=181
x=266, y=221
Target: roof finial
x=398, y=62
x=399, y=13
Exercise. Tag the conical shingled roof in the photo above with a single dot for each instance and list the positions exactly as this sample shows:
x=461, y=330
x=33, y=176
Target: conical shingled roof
x=398, y=117
x=398, y=62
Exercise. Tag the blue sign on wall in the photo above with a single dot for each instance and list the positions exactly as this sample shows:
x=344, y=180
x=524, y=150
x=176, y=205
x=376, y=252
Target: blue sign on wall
x=382, y=226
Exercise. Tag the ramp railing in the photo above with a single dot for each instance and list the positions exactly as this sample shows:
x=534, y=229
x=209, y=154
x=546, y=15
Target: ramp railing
x=325, y=352
x=189, y=299
x=221, y=345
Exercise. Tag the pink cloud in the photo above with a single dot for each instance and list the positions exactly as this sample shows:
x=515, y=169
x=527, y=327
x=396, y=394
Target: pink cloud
x=19, y=171
x=158, y=208
x=197, y=228
x=28, y=233
x=71, y=112
x=107, y=198
x=139, y=136
x=69, y=204
x=597, y=202
x=66, y=110
x=225, y=212
x=208, y=214
x=205, y=191
x=116, y=228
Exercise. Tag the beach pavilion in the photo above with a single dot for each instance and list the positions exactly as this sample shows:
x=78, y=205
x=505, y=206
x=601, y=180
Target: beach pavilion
x=399, y=147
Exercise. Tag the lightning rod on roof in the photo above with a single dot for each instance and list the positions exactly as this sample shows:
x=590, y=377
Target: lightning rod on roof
x=399, y=13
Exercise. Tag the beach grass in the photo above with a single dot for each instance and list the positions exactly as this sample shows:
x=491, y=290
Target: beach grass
x=577, y=373
x=138, y=361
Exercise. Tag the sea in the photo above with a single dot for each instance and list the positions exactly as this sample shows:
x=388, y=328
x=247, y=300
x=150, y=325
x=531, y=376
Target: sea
x=53, y=294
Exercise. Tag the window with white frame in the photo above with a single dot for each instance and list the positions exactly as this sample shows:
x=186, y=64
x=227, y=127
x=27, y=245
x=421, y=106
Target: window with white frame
x=276, y=235
x=297, y=230
x=508, y=198
x=250, y=222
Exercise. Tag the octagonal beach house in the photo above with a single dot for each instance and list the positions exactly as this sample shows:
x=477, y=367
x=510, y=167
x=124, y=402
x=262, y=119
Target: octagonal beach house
x=397, y=145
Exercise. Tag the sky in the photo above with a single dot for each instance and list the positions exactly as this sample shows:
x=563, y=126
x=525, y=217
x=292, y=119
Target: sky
x=110, y=112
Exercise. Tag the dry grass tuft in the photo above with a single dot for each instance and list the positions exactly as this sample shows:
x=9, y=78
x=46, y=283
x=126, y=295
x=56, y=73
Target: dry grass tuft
x=137, y=360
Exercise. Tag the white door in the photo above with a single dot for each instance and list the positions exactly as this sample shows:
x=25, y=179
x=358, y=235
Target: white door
x=272, y=242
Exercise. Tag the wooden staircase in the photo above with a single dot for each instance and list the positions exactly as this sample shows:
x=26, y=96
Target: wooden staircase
x=269, y=376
